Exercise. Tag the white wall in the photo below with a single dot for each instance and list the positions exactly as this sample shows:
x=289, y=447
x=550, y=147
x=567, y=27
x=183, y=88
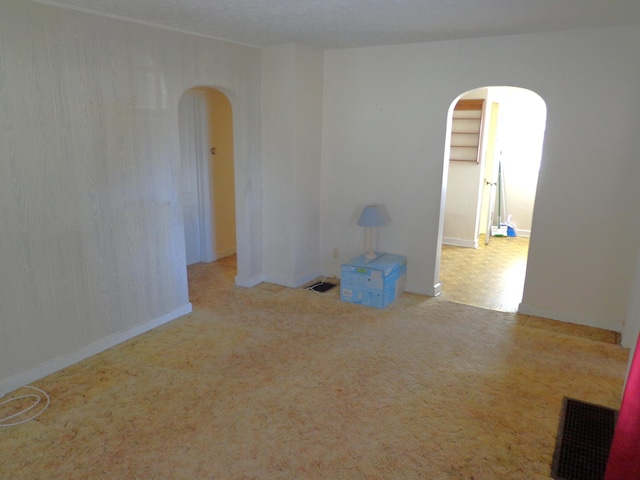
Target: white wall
x=384, y=135
x=292, y=141
x=91, y=235
x=577, y=270
x=631, y=328
x=462, y=204
x=524, y=118
x=629, y=232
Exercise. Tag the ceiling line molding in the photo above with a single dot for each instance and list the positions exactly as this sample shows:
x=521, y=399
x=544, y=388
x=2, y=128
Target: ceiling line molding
x=53, y=3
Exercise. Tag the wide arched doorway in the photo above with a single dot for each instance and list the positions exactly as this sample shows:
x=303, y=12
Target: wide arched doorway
x=494, y=149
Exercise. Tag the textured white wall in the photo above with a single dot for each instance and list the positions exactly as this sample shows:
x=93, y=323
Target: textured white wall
x=91, y=236
x=384, y=134
x=278, y=146
x=308, y=151
x=292, y=132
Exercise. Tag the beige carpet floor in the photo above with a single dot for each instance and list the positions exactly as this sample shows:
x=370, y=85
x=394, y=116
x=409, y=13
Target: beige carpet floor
x=277, y=383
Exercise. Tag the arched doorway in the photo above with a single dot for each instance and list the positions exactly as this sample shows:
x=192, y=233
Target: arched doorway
x=207, y=184
x=491, y=182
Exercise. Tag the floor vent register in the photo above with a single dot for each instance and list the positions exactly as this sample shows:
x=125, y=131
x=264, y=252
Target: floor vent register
x=584, y=439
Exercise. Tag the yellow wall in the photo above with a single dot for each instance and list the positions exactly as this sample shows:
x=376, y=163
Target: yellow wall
x=223, y=214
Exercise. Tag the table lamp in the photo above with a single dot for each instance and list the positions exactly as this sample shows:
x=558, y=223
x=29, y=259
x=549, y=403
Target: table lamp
x=371, y=217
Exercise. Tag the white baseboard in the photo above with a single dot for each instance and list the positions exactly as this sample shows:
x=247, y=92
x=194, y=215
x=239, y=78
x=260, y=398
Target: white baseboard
x=249, y=282
x=523, y=233
x=460, y=242
x=423, y=289
x=51, y=366
x=578, y=319
x=291, y=282
x=225, y=253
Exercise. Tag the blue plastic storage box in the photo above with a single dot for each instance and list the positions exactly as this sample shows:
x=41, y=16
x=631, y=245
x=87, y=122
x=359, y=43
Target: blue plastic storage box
x=374, y=283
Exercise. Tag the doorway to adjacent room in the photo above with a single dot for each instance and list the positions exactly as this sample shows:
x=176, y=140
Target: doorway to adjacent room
x=207, y=185
x=490, y=195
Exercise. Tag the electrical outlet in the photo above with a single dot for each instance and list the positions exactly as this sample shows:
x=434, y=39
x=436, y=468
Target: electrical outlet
x=335, y=253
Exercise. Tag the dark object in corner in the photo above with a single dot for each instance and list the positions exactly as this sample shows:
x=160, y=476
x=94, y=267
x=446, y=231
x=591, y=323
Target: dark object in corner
x=321, y=287
x=584, y=439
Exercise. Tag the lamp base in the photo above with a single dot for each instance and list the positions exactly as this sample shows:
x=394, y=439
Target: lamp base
x=370, y=255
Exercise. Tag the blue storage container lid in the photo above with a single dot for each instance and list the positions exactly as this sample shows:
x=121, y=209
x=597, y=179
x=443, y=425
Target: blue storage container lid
x=384, y=262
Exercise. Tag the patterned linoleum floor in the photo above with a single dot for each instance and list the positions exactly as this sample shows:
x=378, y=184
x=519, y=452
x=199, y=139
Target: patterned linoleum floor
x=490, y=276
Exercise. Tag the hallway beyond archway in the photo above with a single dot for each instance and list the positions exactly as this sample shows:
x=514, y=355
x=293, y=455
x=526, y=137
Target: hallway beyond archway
x=509, y=140
x=207, y=186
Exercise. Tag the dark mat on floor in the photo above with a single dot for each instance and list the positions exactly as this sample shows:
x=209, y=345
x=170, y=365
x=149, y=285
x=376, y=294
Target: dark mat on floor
x=322, y=287
x=583, y=442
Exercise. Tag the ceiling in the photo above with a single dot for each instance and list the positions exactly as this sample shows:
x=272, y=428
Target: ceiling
x=328, y=24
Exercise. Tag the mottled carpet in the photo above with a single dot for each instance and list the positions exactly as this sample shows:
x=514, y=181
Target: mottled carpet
x=277, y=383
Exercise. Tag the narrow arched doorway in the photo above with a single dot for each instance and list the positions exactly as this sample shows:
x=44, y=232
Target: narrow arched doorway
x=207, y=175
x=491, y=183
